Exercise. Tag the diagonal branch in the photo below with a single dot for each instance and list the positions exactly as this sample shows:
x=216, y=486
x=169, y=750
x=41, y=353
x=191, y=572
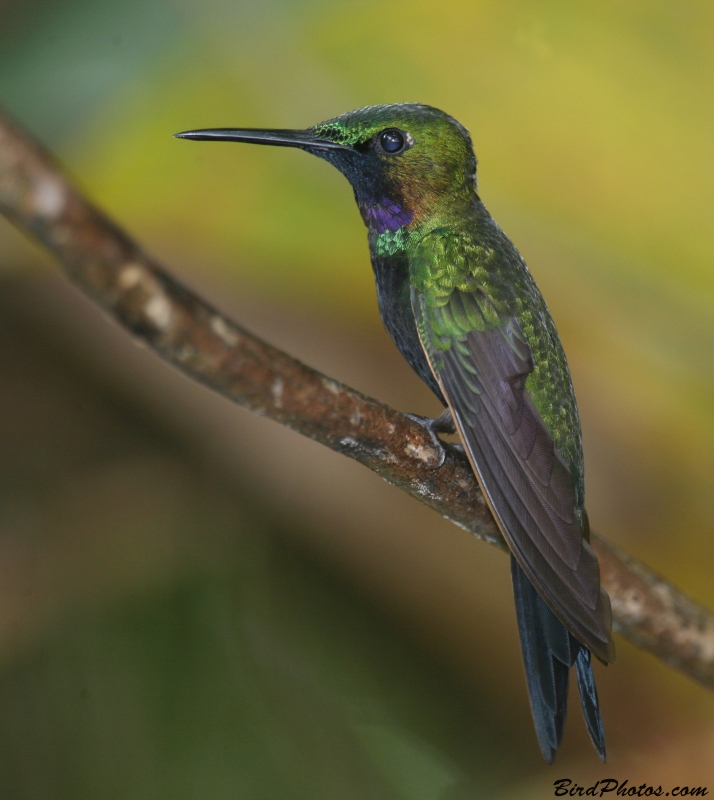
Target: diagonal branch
x=197, y=339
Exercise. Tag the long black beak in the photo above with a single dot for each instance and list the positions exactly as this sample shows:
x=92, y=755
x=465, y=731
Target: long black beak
x=279, y=138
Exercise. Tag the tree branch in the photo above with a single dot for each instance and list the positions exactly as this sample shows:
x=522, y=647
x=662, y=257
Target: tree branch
x=200, y=341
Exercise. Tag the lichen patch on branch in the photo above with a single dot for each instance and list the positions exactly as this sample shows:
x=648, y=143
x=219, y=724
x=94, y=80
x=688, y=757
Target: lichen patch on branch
x=49, y=197
x=428, y=455
x=130, y=276
x=222, y=330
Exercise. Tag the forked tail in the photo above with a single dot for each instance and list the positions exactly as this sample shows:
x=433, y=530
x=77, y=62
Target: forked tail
x=549, y=651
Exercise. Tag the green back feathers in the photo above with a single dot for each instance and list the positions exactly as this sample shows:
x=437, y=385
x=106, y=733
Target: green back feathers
x=470, y=284
x=470, y=275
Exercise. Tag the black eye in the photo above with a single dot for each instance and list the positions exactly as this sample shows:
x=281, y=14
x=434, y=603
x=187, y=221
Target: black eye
x=392, y=141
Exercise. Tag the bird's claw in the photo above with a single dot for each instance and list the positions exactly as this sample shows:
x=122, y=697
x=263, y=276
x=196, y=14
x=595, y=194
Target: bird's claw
x=432, y=425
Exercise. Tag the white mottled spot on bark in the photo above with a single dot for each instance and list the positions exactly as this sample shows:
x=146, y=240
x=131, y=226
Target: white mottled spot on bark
x=158, y=310
x=331, y=386
x=391, y=428
x=426, y=454
x=221, y=329
x=130, y=276
x=702, y=642
x=158, y=307
x=50, y=198
x=355, y=418
x=276, y=390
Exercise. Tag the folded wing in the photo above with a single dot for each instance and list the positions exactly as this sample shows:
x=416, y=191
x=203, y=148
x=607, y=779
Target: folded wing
x=482, y=359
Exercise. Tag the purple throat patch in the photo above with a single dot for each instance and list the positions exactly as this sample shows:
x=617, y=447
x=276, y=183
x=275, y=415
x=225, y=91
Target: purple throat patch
x=387, y=216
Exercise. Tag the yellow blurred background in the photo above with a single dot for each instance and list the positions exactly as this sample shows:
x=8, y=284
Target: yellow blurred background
x=197, y=603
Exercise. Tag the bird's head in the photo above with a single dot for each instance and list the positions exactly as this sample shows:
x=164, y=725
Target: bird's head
x=406, y=162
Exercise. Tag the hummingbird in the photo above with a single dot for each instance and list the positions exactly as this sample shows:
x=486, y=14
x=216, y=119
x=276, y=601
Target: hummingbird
x=462, y=307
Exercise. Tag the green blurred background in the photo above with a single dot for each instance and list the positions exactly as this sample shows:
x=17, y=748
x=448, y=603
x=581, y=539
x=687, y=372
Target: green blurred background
x=196, y=603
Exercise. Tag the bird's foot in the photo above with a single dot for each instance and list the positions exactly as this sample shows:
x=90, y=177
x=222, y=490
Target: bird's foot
x=444, y=423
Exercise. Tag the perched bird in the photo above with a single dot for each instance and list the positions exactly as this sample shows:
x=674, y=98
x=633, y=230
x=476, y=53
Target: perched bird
x=463, y=309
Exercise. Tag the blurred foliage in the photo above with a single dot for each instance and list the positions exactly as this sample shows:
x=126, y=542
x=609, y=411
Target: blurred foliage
x=175, y=640
x=593, y=126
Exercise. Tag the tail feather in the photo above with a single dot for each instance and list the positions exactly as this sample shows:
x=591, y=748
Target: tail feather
x=549, y=651
x=589, y=702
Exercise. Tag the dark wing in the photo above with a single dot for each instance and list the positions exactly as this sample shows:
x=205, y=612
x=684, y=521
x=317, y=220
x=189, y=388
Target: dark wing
x=481, y=365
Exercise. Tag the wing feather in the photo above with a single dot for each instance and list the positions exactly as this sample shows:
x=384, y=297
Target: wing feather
x=482, y=371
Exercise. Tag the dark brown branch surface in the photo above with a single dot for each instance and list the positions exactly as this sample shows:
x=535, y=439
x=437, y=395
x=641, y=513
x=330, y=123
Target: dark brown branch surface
x=204, y=344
